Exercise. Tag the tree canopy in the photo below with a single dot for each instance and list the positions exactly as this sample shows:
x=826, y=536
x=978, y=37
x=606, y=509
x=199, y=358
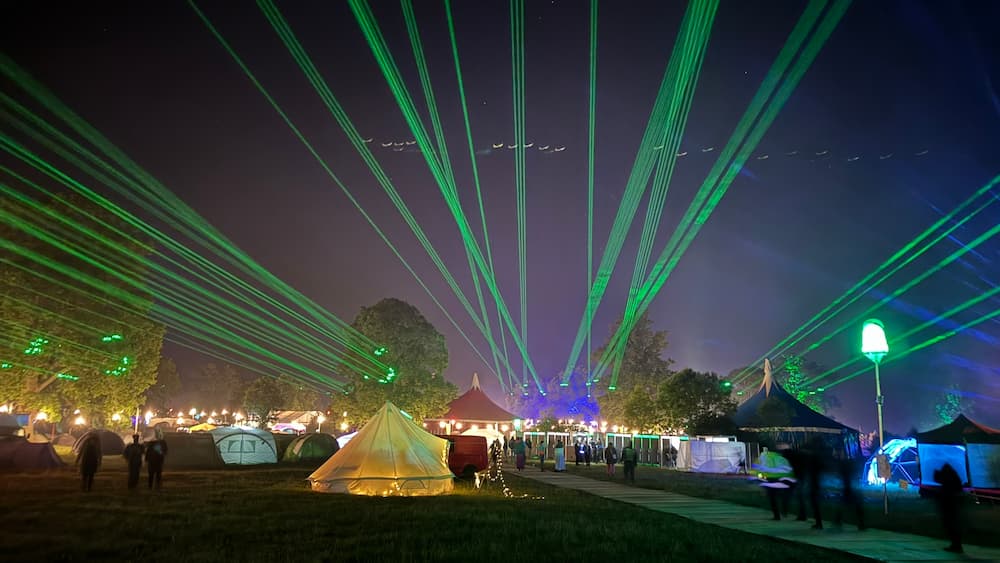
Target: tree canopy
x=417, y=353
x=643, y=369
x=695, y=402
x=74, y=314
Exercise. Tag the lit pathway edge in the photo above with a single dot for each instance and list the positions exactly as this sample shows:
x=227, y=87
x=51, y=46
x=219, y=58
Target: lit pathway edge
x=874, y=544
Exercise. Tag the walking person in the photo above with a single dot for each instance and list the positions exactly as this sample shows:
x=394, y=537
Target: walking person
x=542, y=446
x=850, y=499
x=89, y=460
x=611, y=458
x=519, y=448
x=587, y=453
x=949, y=499
x=578, y=453
x=560, y=456
x=156, y=454
x=630, y=458
x=133, y=457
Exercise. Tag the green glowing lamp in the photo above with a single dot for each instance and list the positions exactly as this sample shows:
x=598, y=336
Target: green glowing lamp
x=727, y=384
x=380, y=351
x=873, y=342
x=67, y=377
x=6, y=365
x=517, y=424
x=111, y=338
x=875, y=346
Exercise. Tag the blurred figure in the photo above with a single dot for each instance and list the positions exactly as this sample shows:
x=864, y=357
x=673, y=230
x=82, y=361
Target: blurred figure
x=949, y=499
x=850, y=498
x=814, y=464
x=156, y=453
x=611, y=458
x=630, y=458
x=89, y=460
x=542, y=446
x=578, y=452
x=587, y=453
x=797, y=461
x=560, y=455
x=133, y=457
x=520, y=453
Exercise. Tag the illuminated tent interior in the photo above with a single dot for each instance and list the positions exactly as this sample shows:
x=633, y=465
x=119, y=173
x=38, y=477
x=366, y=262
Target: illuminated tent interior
x=773, y=416
x=973, y=449
x=244, y=446
x=390, y=455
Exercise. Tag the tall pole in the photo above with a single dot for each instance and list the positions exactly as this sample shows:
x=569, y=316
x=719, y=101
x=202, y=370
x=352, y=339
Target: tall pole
x=881, y=436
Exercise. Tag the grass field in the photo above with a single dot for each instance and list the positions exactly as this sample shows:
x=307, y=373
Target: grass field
x=907, y=511
x=270, y=515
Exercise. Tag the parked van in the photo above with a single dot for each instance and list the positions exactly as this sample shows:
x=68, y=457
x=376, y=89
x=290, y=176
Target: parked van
x=467, y=455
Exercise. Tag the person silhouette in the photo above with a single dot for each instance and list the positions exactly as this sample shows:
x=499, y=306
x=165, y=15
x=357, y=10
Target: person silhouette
x=133, y=457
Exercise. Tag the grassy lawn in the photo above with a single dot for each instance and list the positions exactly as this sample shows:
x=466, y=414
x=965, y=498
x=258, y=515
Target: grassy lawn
x=269, y=514
x=907, y=511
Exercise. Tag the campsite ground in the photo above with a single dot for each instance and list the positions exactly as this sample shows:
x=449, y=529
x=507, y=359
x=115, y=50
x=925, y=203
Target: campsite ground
x=268, y=514
x=908, y=512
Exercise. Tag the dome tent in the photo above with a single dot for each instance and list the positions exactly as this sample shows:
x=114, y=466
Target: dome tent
x=111, y=442
x=390, y=455
x=314, y=446
x=244, y=446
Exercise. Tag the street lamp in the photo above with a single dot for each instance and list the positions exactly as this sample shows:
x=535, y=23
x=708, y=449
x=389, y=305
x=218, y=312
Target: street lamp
x=875, y=347
x=319, y=423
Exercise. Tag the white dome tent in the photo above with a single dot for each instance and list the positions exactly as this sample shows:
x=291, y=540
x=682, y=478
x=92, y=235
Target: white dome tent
x=245, y=446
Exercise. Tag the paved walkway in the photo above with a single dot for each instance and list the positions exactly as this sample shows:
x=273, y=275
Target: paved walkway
x=878, y=545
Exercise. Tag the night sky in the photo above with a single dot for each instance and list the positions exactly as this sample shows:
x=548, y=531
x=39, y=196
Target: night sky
x=916, y=80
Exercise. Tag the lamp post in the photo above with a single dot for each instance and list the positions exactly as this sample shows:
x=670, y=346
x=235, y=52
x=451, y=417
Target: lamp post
x=875, y=347
x=319, y=423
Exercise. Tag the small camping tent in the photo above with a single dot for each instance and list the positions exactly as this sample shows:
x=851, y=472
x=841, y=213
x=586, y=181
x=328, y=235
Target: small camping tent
x=314, y=446
x=390, y=455
x=245, y=446
x=111, y=442
x=190, y=450
x=18, y=454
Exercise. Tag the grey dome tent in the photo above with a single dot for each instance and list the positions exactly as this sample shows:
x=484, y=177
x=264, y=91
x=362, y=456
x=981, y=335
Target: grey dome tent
x=111, y=443
x=773, y=416
x=315, y=447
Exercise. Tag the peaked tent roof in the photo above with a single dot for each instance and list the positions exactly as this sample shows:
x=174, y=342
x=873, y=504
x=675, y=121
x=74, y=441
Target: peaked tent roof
x=801, y=417
x=390, y=455
x=474, y=404
x=959, y=431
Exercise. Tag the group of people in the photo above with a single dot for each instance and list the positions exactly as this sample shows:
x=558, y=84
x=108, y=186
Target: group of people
x=520, y=449
x=814, y=460
x=155, y=452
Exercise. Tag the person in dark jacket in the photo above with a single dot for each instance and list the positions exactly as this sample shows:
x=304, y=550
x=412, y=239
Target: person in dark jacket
x=949, y=499
x=630, y=459
x=156, y=454
x=89, y=460
x=133, y=457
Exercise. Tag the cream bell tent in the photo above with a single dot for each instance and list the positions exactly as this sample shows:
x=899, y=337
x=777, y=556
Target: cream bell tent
x=244, y=446
x=390, y=455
